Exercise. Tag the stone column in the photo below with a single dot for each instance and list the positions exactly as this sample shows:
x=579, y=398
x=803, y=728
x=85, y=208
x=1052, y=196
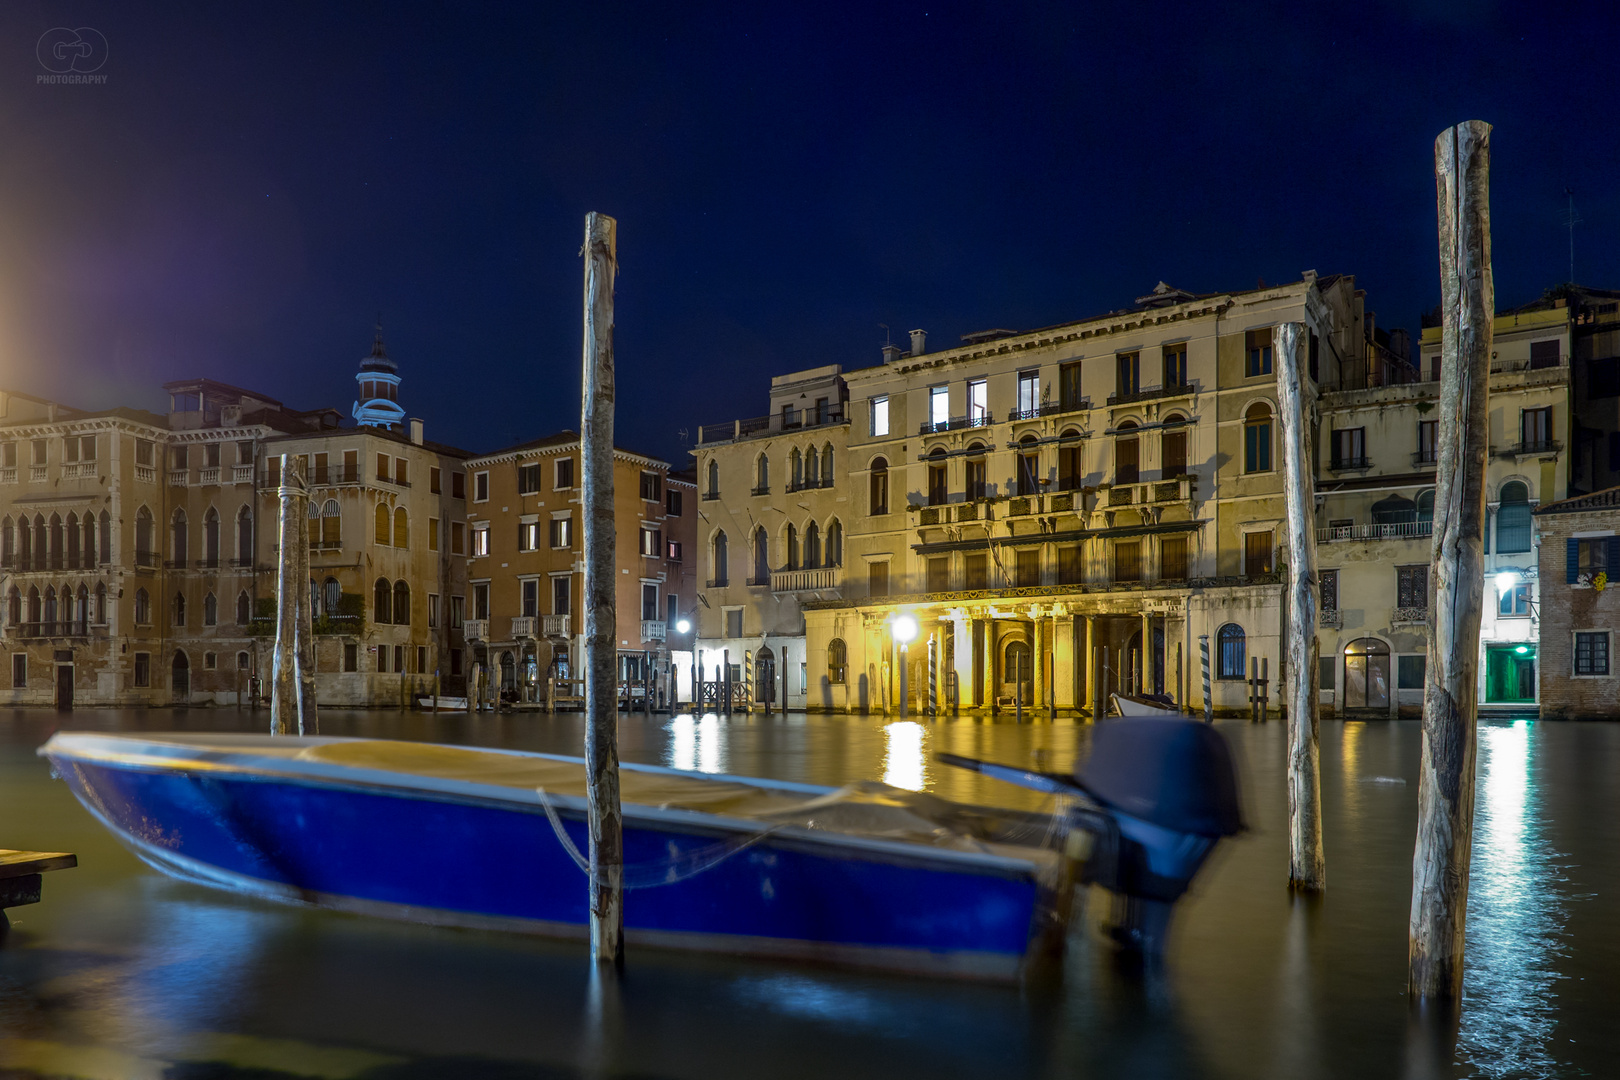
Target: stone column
x=1146, y=686
x=1091, y=660
x=989, y=699
x=1037, y=662
x=1063, y=661
x=962, y=660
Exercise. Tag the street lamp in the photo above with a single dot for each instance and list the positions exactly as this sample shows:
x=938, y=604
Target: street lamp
x=904, y=629
x=1505, y=580
x=682, y=626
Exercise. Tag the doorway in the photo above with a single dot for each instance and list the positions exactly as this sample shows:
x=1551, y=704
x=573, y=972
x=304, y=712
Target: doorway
x=180, y=677
x=1510, y=674
x=64, y=687
x=1366, y=675
x=1018, y=672
x=765, y=676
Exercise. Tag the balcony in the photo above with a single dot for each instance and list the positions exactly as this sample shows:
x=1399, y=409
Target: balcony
x=63, y=629
x=476, y=630
x=209, y=475
x=1058, y=409
x=523, y=626
x=654, y=630
x=1152, y=492
x=1409, y=615
x=1359, y=463
x=791, y=581
x=764, y=489
x=241, y=474
x=555, y=626
x=146, y=560
x=1331, y=620
x=179, y=477
x=810, y=485
x=1389, y=530
x=1425, y=457
x=146, y=474
x=1530, y=449
x=8, y=475
x=79, y=470
x=38, y=474
x=1151, y=393
x=955, y=423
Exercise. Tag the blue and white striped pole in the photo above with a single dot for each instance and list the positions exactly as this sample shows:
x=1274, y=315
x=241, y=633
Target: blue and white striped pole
x=1209, y=705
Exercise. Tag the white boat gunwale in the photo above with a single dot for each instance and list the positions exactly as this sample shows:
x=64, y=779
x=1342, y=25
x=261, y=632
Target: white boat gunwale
x=395, y=784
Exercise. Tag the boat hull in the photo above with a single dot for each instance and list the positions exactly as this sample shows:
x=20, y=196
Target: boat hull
x=494, y=861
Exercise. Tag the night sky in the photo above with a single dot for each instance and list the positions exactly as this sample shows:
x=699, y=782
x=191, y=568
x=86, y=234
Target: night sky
x=247, y=191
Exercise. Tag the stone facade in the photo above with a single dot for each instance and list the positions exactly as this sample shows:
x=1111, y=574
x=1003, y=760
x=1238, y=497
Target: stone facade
x=1580, y=606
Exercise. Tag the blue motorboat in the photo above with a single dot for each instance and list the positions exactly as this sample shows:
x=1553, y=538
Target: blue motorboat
x=866, y=875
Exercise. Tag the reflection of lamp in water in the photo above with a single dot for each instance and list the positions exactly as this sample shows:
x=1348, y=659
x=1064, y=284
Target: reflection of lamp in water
x=904, y=629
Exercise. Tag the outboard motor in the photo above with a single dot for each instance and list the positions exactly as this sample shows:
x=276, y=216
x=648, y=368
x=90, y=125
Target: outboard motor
x=1165, y=792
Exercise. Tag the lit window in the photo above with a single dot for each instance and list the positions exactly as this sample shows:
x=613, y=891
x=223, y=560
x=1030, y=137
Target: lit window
x=880, y=416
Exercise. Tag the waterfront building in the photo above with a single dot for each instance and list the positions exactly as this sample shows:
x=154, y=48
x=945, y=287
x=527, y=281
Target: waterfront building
x=526, y=571
x=1063, y=512
x=1579, y=606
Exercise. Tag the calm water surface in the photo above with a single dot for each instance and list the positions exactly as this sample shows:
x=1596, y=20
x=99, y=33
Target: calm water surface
x=122, y=972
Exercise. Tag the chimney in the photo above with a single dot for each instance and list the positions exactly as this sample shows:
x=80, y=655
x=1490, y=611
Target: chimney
x=919, y=342
x=891, y=353
x=416, y=431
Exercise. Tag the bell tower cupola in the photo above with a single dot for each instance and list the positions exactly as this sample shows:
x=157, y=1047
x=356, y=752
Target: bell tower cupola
x=378, y=403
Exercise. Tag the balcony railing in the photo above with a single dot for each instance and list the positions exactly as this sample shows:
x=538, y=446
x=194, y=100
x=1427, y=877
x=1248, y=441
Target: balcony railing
x=555, y=626
x=1525, y=449
x=1389, y=530
x=1331, y=620
x=1410, y=615
x=763, y=489
x=38, y=474
x=786, y=581
x=146, y=474
x=8, y=474
x=179, y=477
x=146, y=559
x=710, y=496
x=955, y=423
x=1050, y=409
x=741, y=429
x=241, y=474
x=59, y=629
x=654, y=630
x=476, y=630
x=208, y=475
x=1425, y=457
x=1349, y=464
x=717, y=583
x=79, y=470
x=811, y=485
x=1150, y=393
x=523, y=626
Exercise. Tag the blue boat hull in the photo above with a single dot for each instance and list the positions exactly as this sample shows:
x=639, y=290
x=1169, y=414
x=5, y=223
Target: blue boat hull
x=456, y=859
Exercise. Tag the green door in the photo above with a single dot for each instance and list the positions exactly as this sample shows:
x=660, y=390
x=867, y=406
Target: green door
x=1510, y=673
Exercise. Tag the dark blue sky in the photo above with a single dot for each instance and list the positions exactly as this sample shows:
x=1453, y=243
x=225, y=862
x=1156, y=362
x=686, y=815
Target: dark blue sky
x=249, y=189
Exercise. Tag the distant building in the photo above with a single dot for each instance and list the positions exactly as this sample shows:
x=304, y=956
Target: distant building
x=1580, y=606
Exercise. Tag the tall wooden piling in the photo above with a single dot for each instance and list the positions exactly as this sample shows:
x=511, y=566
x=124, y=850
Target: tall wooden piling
x=601, y=629
x=292, y=594
x=1445, y=830
x=1307, y=869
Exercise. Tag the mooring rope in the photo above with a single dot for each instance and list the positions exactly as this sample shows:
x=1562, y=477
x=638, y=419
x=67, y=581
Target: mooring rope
x=665, y=871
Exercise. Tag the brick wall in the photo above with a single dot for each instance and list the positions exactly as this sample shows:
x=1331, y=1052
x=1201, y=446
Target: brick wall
x=1567, y=608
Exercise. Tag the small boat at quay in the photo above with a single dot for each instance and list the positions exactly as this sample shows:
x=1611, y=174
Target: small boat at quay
x=442, y=704
x=1145, y=705
x=866, y=875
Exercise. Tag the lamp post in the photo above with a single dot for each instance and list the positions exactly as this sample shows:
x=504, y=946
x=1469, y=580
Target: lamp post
x=904, y=629
x=682, y=626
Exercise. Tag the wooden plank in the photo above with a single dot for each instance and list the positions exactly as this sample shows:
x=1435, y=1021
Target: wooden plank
x=19, y=863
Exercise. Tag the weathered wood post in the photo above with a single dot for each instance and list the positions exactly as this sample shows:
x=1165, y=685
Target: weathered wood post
x=291, y=583
x=601, y=629
x=1307, y=869
x=1445, y=832
x=308, y=717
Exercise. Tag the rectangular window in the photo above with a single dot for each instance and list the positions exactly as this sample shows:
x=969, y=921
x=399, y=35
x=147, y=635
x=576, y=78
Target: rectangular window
x=1428, y=446
x=652, y=487
x=562, y=532
x=1128, y=374
x=528, y=479
x=433, y=534
x=480, y=541
x=1172, y=454
x=1027, y=569
x=1410, y=671
x=211, y=455
x=210, y=661
x=383, y=471
x=435, y=480
x=1544, y=354
x=481, y=487
x=1257, y=553
x=1535, y=429
x=652, y=543
x=1071, y=570
x=877, y=579
x=1175, y=365
x=421, y=660
x=790, y=416
x=143, y=669
x=8, y=455
x=322, y=470
x=1330, y=590
x=672, y=503
x=19, y=669
x=351, y=656
x=382, y=658
x=672, y=608
x=564, y=473
x=975, y=478
x=480, y=604
x=939, y=407
x=1257, y=347
x=673, y=552
x=1514, y=601
x=433, y=611
x=936, y=481
x=1127, y=461
x=70, y=449
x=561, y=593
x=978, y=401
x=1069, y=386
x=1257, y=442
x=939, y=574
x=1315, y=361
x=143, y=452
x=530, y=597
x=42, y=453
x=1128, y=560
x=1173, y=558
x=1349, y=448
x=528, y=536
x=1591, y=652
x=458, y=538
x=1412, y=587
x=734, y=628
x=399, y=659
x=880, y=415
x=1591, y=557
x=649, y=602
x=455, y=661
x=1029, y=393
x=1326, y=669
x=351, y=467
x=458, y=485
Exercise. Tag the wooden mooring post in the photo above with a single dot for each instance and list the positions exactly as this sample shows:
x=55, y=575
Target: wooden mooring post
x=1445, y=831
x=292, y=700
x=601, y=629
x=1307, y=868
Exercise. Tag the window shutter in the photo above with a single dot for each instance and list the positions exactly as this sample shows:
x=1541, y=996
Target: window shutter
x=1572, y=560
x=1612, y=563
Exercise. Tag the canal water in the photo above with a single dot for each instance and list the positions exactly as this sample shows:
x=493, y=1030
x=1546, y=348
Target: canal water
x=122, y=972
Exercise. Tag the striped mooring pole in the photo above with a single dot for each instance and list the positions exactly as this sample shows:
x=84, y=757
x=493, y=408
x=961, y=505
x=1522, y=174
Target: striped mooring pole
x=1209, y=705
x=933, y=676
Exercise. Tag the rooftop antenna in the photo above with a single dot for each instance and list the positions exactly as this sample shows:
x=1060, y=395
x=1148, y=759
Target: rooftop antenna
x=885, y=328
x=1571, y=219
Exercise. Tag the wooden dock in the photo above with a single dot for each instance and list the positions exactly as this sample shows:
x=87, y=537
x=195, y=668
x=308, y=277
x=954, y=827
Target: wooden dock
x=22, y=875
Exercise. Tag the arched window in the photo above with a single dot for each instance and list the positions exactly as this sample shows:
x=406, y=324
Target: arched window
x=177, y=541
x=835, y=543
x=1127, y=454
x=331, y=595
x=1029, y=465
x=143, y=608
x=81, y=611
x=1513, y=519
x=177, y=610
x=937, y=483
x=244, y=608
x=89, y=548
x=1257, y=438
x=1071, y=471
x=35, y=611
x=143, y=536
x=1425, y=505
x=383, y=518
x=241, y=661
x=402, y=531
x=1173, y=447
x=718, y=558
x=25, y=542
x=812, y=468
x=795, y=470
x=827, y=466
x=790, y=539
x=42, y=541
x=180, y=675
x=13, y=606
x=837, y=660
x=106, y=537
x=382, y=602
x=331, y=524
x=714, y=479
x=210, y=610
x=244, y=537
x=879, y=503
x=762, y=475
x=101, y=603
x=8, y=542
x=1231, y=643
x=402, y=603
x=976, y=487
x=56, y=541
x=211, y=537
x=812, y=546
x=762, y=559
x=50, y=603
x=73, y=537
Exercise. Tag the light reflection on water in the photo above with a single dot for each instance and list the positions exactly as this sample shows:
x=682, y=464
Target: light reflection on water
x=903, y=764
x=1516, y=915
